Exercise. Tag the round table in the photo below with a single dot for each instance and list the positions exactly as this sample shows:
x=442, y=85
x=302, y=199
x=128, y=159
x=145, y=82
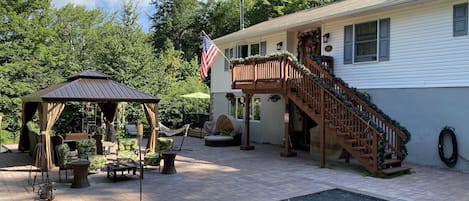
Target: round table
x=168, y=157
x=80, y=174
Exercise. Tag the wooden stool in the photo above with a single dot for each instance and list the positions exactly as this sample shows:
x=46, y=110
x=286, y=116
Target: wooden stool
x=80, y=174
x=168, y=158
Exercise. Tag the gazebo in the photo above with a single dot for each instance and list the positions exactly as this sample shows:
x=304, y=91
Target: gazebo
x=87, y=86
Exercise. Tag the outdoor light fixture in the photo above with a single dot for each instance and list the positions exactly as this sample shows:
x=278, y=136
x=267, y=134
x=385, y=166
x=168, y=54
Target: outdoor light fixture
x=274, y=98
x=325, y=37
x=279, y=45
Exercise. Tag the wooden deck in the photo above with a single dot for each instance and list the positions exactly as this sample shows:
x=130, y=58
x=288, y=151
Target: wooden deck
x=363, y=132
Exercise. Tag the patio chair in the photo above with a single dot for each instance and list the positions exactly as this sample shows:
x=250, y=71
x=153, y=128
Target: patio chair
x=228, y=132
x=87, y=150
x=131, y=130
x=64, y=159
x=127, y=148
x=153, y=157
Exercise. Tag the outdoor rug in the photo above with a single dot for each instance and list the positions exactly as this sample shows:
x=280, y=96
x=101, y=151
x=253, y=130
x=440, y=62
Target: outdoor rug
x=334, y=195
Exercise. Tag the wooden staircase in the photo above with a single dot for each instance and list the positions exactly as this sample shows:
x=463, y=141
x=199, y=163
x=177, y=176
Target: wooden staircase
x=369, y=137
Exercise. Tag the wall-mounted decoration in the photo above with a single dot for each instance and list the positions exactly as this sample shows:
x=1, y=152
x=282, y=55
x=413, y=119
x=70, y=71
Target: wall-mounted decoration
x=230, y=96
x=274, y=98
x=328, y=48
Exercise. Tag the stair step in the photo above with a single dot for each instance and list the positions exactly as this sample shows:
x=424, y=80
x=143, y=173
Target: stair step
x=366, y=155
x=392, y=161
x=358, y=148
x=394, y=170
x=350, y=140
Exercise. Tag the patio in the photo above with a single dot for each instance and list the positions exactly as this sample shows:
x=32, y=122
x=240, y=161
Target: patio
x=226, y=173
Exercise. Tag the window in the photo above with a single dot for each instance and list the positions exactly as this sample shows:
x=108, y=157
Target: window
x=460, y=19
x=237, y=108
x=229, y=54
x=242, y=51
x=263, y=48
x=367, y=41
x=254, y=49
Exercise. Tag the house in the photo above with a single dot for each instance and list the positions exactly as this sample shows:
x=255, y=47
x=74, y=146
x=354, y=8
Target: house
x=409, y=56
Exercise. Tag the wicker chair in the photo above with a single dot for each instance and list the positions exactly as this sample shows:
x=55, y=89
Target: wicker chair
x=153, y=157
x=87, y=150
x=127, y=148
x=64, y=159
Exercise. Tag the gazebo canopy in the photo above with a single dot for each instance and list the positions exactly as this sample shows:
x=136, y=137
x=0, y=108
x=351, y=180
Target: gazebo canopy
x=87, y=86
x=90, y=86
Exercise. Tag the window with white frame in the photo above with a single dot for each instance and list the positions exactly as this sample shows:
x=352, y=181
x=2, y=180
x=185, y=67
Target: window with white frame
x=366, y=37
x=229, y=54
x=243, y=51
x=369, y=41
x=237, y=108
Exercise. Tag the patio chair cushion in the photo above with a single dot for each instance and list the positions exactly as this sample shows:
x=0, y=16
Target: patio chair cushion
x=128, y=144
x=219, y=138
x=97, y=162
x=65, y=156
x=222, y=140
x=127, y=148
x=154, y=157
x=87, y=150
x=165, y=144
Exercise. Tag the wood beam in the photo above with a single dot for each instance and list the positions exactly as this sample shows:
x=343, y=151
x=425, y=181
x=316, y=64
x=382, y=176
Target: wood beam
x=322, y=146
x=286, y=120
x=247, y=111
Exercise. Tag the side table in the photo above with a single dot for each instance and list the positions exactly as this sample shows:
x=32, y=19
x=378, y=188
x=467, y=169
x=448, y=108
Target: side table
x=80, y=174
x=168, y=157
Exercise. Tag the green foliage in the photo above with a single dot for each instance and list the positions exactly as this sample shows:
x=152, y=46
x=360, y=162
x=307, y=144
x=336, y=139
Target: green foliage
x=175, y=20
x=172, y=106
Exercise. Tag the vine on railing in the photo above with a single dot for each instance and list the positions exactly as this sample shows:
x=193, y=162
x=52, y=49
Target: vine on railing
x=366, y=98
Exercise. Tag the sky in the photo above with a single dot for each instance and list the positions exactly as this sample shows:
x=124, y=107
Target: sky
x=144, y=8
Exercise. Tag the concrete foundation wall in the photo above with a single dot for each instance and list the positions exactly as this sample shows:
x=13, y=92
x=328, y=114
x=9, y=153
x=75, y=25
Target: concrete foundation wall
x=424, y=112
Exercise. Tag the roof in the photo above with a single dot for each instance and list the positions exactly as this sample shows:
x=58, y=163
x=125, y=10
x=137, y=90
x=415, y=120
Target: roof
x=89, y=86
x=309, y=16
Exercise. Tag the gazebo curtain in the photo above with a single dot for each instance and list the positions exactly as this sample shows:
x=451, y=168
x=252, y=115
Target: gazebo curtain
x=48, y=115
x=109, y=110
x=29, y=109
x=151, y=111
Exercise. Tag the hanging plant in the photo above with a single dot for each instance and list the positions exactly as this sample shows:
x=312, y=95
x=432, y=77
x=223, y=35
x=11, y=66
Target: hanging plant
x=230, y=96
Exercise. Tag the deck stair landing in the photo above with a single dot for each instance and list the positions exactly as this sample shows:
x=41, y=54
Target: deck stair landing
x=368, y=136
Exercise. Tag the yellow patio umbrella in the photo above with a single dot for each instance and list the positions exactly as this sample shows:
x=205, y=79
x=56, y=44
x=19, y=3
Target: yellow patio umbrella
x=197, y=95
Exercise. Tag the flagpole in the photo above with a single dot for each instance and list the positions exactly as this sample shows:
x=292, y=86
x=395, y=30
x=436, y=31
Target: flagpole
x=216, y=47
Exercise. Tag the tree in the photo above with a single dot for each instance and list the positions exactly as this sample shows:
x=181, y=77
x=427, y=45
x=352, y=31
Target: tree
x=26, y=55
x=76, y=30
x=175, y=20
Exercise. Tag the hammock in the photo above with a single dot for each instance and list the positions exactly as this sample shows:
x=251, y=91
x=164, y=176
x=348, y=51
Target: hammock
x=164, y=130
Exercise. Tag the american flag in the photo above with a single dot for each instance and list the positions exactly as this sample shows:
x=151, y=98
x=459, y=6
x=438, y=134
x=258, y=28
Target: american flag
x=209, y=53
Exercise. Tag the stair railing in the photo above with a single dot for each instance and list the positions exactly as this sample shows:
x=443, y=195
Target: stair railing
x=394, y=136
x=336, y=113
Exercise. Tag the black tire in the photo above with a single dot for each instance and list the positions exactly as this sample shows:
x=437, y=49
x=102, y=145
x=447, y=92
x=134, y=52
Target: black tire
x=453, y=159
